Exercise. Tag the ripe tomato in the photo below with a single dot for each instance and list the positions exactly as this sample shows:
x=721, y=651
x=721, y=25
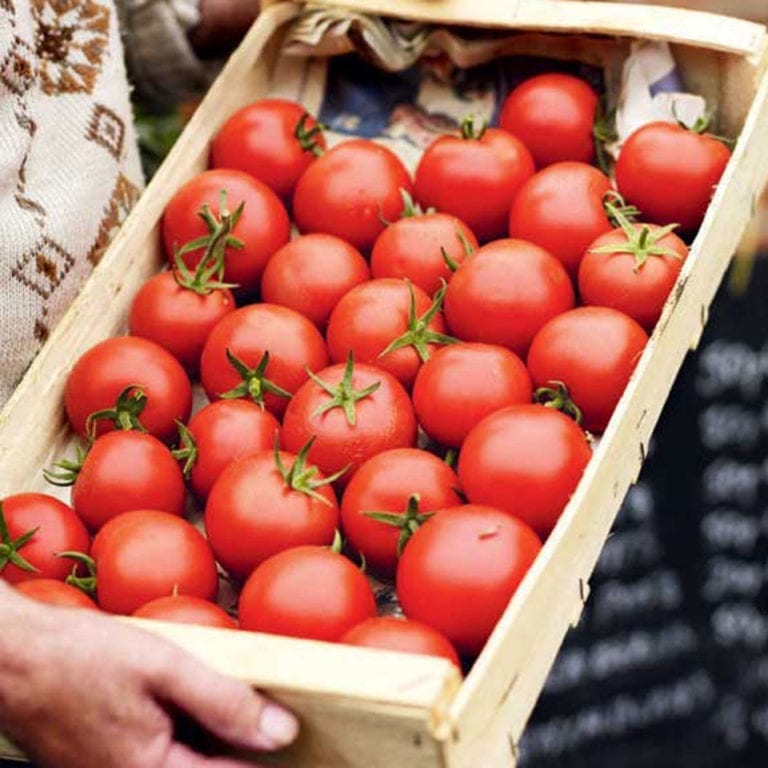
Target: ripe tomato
x=177, y=318
x=474, y=176
x=462, y=384
x=460, y=570
x=186, y=609
x=670, y=173
x=406, y=485
x=355, y=411
x=146, y=554
x=632, y=268
x=125, y=471
x=34, y=527
x=395, y=634
x=222, y=432
x=261, y=351
x=262, y=228
x=53, y=592
x=266, y=503
x=505, y=293
x=311, y=273
x=107, y=370
x=421, y=247
x=274, y=140
x=553, y=115
x=350, y=192
x=597, y=379
x=526, y=460
x=388, y=323
x=561, y=209
x=309, y=592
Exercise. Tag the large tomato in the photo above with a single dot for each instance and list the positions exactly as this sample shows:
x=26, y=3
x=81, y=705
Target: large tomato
x=561, y=209
x=186, y=609
x=311, y=273
x=266, y=503
x=34, y=527
x=505, y=293
x=310, y=592
x=553, y=115
x=670, y=173
x=274, y=140
x=351, y=192
x=592, y=351
x=474, y=176
x=406, y=485
x=355, y=411
x=53, y=592
x=261, y=352
x=460, y=570
x=462, y=384
x=123, y=365
x=261, y=229
x=526, y=460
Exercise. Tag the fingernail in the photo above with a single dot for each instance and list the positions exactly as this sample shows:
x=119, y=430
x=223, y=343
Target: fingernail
x=277, y=726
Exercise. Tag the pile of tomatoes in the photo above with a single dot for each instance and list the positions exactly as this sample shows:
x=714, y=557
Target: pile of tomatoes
x=407, y=388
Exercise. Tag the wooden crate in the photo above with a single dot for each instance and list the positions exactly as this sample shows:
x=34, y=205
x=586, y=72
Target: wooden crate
x=366, y=708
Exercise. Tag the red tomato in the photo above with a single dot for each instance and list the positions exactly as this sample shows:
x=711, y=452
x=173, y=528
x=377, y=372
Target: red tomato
x=406, y=485
x=462, y=384
x=460, y=570
x=593, y=351
x=309, y=592
x=177, y=318
x=125, y=471
x=274, y=140
x=34, y=527
x=262, y=228
x=632, y=269
x=53, y=592
x=387, y=323
x=272, y=347
x=416, y=247
x=670, y=173
x=505, y=293
x=356, y=412
x=474, y=176
x=561, y=209
x=186, y=609
x=553, y=115
x=266, y=503
x=222, y=432
x=350, y=192
x=395, y=634
x=105, y=371
x=526, y=460
x=311, y=273
x=146, y=554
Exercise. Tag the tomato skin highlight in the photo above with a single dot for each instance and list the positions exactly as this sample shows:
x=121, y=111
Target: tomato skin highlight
x=309, y=592
x=311, y=273
x=526, y=460
x=462, y=384
x=461, y=568
x=595, y=381
x=186, y=609
x=385, y=483
x=350, y=192
x=106, y=369
x=505, y=293
x=53, y=592
x=553, y=115
x=406, y=635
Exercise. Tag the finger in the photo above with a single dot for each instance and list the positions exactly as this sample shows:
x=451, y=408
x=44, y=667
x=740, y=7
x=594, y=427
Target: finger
x=181, y=756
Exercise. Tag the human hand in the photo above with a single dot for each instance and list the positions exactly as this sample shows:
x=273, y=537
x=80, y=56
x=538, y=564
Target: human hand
x=82, y=689
x=222, y=25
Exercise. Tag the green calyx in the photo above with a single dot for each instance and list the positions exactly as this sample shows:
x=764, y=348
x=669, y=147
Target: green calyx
x=343, y=395
x=255, y=383
x=617, y=210
x=187, y=450
x=124, y=414
x=411, y=208
x=471, y=129
x=68, y=470
x=701, y=126
x=558, y=398
x=87, y=583
x=9, y=548
x=307, y=137
x=408, y=522
x=299, y=477
x=604, y=132
x=451, y=263
x=419, y=336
